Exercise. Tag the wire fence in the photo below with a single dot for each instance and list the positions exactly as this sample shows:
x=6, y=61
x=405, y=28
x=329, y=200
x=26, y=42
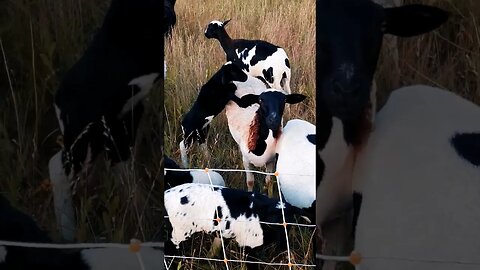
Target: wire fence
x=135, y=245
x=225, y=259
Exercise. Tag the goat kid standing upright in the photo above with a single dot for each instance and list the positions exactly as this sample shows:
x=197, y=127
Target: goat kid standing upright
x=258, y=58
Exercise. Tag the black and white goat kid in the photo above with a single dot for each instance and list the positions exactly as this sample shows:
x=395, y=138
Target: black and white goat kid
x=237, y=214
x=257, y=57
x=255, y=121
x=211, y=100
x=99, y=102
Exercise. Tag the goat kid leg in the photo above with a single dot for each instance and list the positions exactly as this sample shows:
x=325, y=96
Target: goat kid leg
x=250, y=176
x=268, y=179
x=62, y=197
x=183, y=154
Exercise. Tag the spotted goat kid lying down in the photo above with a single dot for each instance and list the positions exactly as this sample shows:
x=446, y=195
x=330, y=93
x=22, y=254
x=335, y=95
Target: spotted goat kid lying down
x=237, y=214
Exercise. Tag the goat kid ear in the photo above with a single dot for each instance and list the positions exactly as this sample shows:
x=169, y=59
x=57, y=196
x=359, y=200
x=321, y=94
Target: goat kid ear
x=225, y=22
x=412, y=20
x=246, y=100
x=295, y=98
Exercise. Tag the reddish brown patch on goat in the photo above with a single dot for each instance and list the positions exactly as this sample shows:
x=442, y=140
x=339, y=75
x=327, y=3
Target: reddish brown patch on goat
x=254, y=132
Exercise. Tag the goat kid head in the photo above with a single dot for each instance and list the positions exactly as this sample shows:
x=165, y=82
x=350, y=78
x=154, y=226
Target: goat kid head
x=272, y=104
x=349, y=38
x=214, y=28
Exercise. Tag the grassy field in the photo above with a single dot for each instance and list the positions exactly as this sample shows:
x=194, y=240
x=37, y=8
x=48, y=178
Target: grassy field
x=40, y=40
x=192, y=59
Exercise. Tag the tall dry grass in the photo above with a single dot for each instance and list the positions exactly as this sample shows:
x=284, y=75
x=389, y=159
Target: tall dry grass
x=192, y=59
x=41, y=40
x=448, y=58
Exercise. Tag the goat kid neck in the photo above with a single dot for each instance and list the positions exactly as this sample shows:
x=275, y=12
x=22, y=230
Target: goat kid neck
x=227, y=44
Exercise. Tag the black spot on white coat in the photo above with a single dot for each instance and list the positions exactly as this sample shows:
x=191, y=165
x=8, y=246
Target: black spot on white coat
x=467, y=145
x=311, y=138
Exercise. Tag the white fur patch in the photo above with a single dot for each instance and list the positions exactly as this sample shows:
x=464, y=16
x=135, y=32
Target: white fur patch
x=60, y=122
x=201, y=177
x=214, y=22
x=209, y=120
x=296, y=163
x=145, y=84
x=418, y=195
x=197, y=215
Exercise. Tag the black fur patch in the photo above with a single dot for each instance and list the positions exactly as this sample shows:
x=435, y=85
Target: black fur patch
x=268, y=74
x=287, y=63
x=312, y=138
x=175, y=178
x=357, y=205
x=467, y=145
x=217, y=214
x=184, y=200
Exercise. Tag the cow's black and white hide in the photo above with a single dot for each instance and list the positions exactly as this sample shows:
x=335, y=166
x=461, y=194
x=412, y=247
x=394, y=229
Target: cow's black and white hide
x=257, y=57
x=176, y=178
x=255, y=120
x=99, y=101
x=419, y=178
x=19, y=227
x=237, y=214
x=349, y=38
x=211, y=100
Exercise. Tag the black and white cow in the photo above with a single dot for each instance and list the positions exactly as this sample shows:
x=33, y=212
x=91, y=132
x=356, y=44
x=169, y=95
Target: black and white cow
x=99, y=101
x=257, y=57
x=255, y=120
x=176, y=178
x=349, y=38
x=19, y=227
x=211, y=100
x=237, y=214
